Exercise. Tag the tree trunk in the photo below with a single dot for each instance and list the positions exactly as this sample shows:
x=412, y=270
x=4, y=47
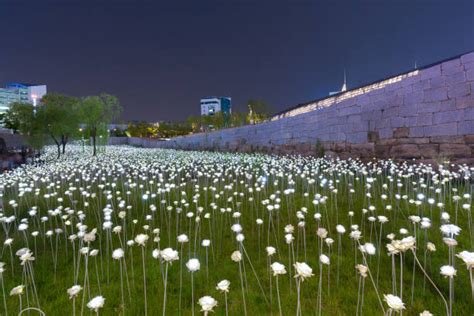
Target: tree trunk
x=94, y=134
x=58, y=144
x=64, y=139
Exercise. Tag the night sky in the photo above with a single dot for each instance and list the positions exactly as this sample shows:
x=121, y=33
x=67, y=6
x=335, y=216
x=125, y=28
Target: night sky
x=161, y=57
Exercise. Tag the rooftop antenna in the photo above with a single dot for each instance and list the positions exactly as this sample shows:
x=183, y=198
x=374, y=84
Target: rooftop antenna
x=416, y=66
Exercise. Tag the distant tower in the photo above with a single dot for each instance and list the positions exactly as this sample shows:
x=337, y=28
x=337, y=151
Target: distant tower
x=344, y=86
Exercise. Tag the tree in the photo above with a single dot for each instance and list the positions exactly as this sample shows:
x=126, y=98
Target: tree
x=142, y=129
x=60, y=118
x=194, y=123
x=97, y=112
x=21, y=118
x=237, y=119
x=174, y=129
x=259, y=111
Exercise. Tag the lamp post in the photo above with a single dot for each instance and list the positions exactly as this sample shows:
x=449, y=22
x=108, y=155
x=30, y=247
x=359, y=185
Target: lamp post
x=82, y=139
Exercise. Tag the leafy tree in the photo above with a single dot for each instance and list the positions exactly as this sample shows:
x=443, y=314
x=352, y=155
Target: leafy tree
x=174, y=129
x=259, y=111
x=97, y=112
x=60, y=118
x=194, y=123
x=142, y=129
x=19, y=117
x=237, y=119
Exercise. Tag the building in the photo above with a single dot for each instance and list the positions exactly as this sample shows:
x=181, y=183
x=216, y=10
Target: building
x=20, y=92
x=212, y=105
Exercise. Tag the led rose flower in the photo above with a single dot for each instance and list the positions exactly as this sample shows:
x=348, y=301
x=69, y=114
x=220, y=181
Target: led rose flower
x=467, y=257
x=118, y=254
x=448, y=271
x=394, y=302
x=223, y=286
x=141, y=239
x=169, y=255
x=278, y=268
x=183, y=238
x=96, y=303
x=74, y=291
x=193, y=265
x=207, y=304
x=303, y=271
x=236, y=256
x=270, y=251
x=17, y=290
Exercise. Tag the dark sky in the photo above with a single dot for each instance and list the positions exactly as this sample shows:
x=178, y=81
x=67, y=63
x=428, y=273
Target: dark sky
x=161, y=57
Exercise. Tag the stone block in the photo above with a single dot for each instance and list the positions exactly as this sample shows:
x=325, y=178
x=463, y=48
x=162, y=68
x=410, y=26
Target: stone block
x=401, y=132
x=467, y=68
x=469, y=139
x=397, y=121
x=429, y=107
x=424, y=84
x=469, y=114
x=373, y=136
x=414, y=97
x=466, y=127
x=447, y=139
x=456, y=78
x=425, y=119
x=470, y=75
x=431, y=72
x=382, y=151
x=467, y=58
x=437, y=82
x=417, y=132
x=411, y=121
x=405, y=151
x=429, y=150
x=414, y=140
x=357, y=138
x=451, y=66
x=363, y=150
x=437, y=94
x=386, y=132
x=459, y=90
x=454, y=151
x=447, y=129
x=464, y=102
x=448, y=116
x=408, y=110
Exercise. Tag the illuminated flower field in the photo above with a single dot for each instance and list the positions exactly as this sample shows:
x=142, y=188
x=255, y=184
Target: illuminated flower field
x=154, y=232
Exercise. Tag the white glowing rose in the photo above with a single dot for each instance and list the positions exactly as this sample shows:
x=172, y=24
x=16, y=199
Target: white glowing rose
x=278, y=268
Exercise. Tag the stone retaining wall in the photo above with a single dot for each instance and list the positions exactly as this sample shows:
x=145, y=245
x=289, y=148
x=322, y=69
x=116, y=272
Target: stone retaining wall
x=426, y=113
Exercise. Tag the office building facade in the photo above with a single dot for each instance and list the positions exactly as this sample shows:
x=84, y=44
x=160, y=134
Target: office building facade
x=20, y=92
x=213, y=105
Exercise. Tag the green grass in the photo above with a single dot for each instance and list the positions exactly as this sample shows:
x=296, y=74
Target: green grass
x=338, y=299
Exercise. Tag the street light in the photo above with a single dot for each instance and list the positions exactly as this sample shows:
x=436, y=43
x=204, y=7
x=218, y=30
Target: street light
x=82, y=139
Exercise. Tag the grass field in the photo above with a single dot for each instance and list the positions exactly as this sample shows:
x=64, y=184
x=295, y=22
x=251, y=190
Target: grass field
x=202, y=195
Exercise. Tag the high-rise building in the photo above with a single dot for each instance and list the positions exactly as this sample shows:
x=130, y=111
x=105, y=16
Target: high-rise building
x=212, y=105
x=20, y=92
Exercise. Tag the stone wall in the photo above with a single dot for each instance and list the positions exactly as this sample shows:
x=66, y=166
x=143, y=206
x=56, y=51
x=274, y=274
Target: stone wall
x=12, y=141
x=426, y=113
